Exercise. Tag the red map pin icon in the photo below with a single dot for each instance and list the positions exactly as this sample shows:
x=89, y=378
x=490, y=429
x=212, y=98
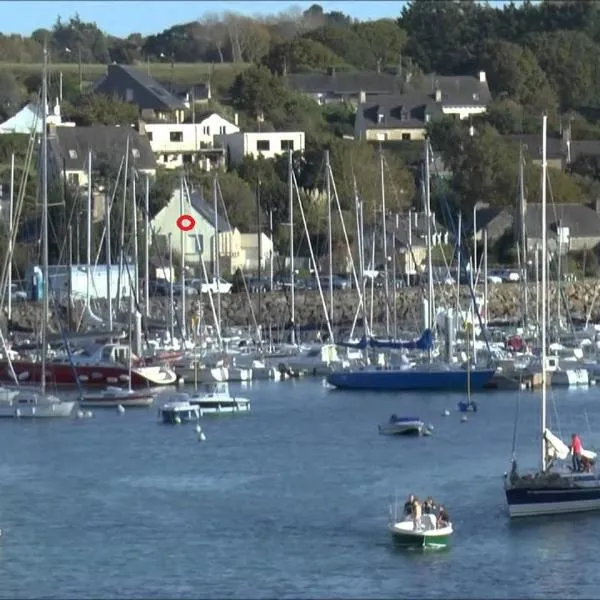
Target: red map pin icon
x=186, y=223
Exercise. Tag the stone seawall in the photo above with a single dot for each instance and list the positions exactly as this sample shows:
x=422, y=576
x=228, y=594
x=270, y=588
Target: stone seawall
x=505, y=302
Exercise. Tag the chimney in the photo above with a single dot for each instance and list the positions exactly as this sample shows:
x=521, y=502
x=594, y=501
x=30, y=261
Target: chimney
x=438, y=95
x=482, y=77
x=362, y=97
x=236, y=119
x=284, y=73
x=566, y=133
x=331, y=71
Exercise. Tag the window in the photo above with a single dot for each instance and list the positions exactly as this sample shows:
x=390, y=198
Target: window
x=128, y=95
x=135, y=153
x=176, y=136
x=72, y=154
x=404, y=115
x=406, y=136
x=165, y=158
x=198, y=242
x=263, y=145
x=222, y=130
x=73, y=178
x=149, y=134
x=206, y=130
x=287, y=145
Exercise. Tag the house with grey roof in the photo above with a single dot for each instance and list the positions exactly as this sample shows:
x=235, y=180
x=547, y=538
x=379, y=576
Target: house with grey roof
x=570, y=227
x=135, y=86
x=197, y=93
x=69, y=148
x=344, y=86
x=404, y=116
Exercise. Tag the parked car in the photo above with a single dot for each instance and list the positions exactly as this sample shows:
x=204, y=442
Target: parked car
x=216, y=286
x=178, y=289
x=17, y=293
x=494, y=279
x=339, y=283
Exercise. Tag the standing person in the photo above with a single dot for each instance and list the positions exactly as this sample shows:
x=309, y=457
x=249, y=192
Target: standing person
x=408, y=505
x=443, y=519
x=576, y=448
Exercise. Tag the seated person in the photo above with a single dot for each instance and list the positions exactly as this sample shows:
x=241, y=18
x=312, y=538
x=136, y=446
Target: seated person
x=443, y=518
x=408, y=506
x=586, y=464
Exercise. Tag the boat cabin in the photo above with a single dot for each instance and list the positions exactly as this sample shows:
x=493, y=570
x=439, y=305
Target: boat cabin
x=108, y=353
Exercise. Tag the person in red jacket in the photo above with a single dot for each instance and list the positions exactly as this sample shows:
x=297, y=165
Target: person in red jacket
x=576, y=448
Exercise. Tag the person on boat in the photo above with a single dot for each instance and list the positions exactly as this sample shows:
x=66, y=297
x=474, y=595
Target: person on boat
x=408, y=506
x=443, y=519
x=576, y=448
x=429, y=507
x=416, y=512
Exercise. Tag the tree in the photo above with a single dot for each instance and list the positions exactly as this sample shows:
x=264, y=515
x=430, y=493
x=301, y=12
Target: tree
x=93, y=109
x=344, y=42
x=12, y=94
x=300, y=55
x=77, y=40
x=385, y=40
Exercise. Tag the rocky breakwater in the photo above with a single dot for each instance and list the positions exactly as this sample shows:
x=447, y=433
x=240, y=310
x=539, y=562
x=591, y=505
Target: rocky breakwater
x=504, y=300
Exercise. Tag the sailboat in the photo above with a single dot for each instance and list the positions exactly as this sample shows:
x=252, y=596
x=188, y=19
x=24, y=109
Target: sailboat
x=470, y=405
x=555, y=488
x=33, y=403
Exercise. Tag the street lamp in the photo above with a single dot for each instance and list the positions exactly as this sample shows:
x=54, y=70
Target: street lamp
x=477, y=206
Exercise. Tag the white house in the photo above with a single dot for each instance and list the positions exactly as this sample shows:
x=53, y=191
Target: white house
x=255, y=144
x=177, y=143
x=249, y=246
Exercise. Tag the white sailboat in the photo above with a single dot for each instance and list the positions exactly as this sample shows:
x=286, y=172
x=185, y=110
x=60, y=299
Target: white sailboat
x=556, y=488
x=34, y=403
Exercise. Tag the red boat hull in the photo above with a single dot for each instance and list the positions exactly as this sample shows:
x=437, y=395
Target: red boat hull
x=67, y=374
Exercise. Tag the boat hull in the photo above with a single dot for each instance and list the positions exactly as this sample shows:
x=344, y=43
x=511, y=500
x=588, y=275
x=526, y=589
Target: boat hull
x=85, y=375
x=421, y=539
x=410, y=380
x=126, y=401
x=531, y=501
x=39, y=411
x=402, y=429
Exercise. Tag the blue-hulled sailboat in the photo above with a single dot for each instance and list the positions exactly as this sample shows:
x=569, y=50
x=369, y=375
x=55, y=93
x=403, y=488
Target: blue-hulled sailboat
x=558, y=487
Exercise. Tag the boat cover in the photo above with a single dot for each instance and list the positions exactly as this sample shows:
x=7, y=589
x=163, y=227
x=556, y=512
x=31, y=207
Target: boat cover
x=557, y=448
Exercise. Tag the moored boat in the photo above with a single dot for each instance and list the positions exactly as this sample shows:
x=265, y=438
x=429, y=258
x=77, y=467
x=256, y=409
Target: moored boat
x=115, y=396
x=179, y=412
x=34, y=404
x=404, y=426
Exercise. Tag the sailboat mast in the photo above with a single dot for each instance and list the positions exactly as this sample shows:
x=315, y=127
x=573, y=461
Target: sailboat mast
x=291, y=205
x=10, y=233
x=385, y=254
x=544, y=284
x=45, y=309
x=523, y=232
x=216, y=270
x=329, y=233
x=88, y=230
x=429, y=257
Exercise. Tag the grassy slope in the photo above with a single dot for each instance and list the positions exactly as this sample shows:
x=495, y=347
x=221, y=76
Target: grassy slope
x=181, y=72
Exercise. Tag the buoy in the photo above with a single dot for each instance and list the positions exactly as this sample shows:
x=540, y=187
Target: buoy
x=464, y=419
x=446, y=413
x=80, y=414
x=177, y=420
x=430, y=427
x=89, y=414
x=120, y=409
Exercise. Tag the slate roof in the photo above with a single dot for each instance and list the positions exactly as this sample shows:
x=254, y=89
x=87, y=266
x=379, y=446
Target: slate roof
x=344, y=83
x=147, y=93
x=418, y=229
x=405, y=111
x=459, y=90
x=581, y=220
x=532, y=144
x=204, y=208
x=70, y=146
x=589, y=147
x=181, y=91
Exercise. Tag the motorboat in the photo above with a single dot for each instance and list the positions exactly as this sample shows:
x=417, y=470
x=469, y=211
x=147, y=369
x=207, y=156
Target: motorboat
x=114, y=396
x=404, y=426
x=421, y=533
x=467, y=406
x=218, y=401
x=179, y=412
x=34, y=404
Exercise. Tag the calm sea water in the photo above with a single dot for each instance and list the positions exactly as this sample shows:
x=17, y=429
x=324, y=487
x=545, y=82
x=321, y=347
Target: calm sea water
x=289, y=501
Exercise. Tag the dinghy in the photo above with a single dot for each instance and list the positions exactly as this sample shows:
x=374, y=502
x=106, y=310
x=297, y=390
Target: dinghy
x=421, y=534
x=404, y=426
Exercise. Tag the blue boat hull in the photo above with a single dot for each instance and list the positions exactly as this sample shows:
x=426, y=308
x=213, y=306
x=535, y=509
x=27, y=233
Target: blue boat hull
x=410, y=380
x=536, y=501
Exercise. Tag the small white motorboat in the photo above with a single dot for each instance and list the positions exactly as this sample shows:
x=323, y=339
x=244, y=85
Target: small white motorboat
x=404, y=426
x=114, y=396
x=179, y=412
x=422, y=533
x=218, y=401
x=34, y=404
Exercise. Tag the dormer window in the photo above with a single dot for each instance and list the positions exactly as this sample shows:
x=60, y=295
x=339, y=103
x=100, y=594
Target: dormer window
x=475, y=96
x=380, y=117
x=135, y=153
x=427, y=117
x=404, y=115
x=73, y=154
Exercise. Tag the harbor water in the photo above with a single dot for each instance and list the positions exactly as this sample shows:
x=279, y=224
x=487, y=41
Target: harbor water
x=289, y=501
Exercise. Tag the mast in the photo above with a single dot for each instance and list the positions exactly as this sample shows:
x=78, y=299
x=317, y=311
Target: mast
x=136, y=278
x=385, y=254
x=10, y=232
x=88, y=231
x=429, y=258
x=216, y=277
x=329, y=234
x=45, y=309
x=147, y=249
x=291, y=204
x=544, y=284
x=183, y=246
x=259, y=242
x=108, y=205
x=523, y=240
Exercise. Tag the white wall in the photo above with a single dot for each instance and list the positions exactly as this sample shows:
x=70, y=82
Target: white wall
x=463, y=112
x=255, y=144
x=187, y=137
